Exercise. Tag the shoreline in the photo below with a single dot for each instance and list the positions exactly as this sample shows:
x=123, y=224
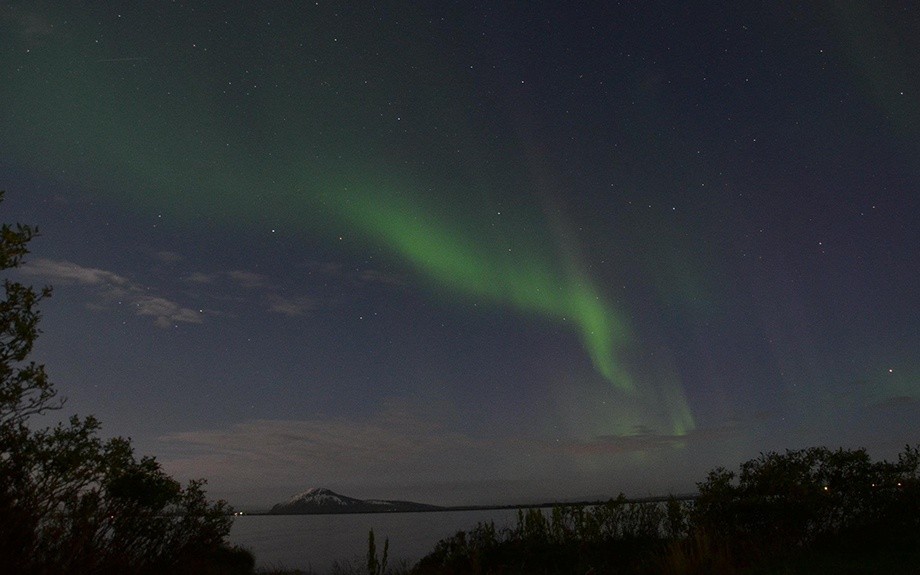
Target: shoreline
x=434, y=509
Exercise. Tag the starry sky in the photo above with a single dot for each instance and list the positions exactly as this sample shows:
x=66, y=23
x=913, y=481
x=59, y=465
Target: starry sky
x=464, y=252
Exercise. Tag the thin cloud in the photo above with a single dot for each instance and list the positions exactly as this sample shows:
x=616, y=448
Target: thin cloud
x=241, y=284
x=291, y=307
x=247, y=279
x=112, y=287
x=201, y=278
x=165, y=312
x=410, y=444
x=69, y=272
x=644, y=442
x=319, y=450
x=253, y=284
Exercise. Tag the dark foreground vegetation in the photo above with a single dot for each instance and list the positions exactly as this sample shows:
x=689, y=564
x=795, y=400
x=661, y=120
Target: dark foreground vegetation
x=806, y=511
x=811, y=511
x=71, y=503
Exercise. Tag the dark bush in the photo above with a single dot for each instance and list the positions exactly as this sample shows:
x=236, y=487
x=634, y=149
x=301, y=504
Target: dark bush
x=73, y=503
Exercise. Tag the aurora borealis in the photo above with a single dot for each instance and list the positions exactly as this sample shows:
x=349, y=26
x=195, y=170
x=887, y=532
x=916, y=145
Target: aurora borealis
x=462, y=252
x=93, y=114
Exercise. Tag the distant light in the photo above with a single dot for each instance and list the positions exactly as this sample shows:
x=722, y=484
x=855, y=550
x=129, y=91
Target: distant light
x=825, y=487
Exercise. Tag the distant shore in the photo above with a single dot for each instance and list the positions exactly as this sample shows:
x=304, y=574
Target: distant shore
x=437, y=509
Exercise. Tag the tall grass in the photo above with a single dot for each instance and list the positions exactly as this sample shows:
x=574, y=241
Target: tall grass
x=613, y=537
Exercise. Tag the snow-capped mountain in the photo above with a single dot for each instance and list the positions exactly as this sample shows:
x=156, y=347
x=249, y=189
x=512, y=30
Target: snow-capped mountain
x=322, y=500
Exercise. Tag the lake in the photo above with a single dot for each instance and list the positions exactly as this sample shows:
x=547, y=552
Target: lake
x=317, y=541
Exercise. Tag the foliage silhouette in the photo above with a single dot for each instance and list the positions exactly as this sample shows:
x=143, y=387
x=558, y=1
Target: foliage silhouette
x=796, y=499
x=375, y=565
x=73, y=503
x=807, y=511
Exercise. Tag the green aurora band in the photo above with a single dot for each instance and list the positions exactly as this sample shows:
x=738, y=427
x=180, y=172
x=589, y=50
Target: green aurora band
x=112, y=125
x=527, y=282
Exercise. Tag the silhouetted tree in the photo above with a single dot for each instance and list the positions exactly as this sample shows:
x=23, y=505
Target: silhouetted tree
x=794, y=499
x=71, y=502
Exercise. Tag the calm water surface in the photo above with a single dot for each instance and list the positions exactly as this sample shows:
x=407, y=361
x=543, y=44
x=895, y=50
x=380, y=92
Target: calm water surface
x=317, y=541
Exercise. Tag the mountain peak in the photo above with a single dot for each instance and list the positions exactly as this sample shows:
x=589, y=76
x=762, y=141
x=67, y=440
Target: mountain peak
x=320, y=496
x=323, y=500
x=313, y=491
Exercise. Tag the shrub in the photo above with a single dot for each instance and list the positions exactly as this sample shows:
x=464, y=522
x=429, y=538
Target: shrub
x=71, y=502
x=793, y=500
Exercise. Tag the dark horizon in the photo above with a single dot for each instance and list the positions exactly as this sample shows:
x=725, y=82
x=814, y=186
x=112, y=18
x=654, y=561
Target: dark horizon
x=577, y=501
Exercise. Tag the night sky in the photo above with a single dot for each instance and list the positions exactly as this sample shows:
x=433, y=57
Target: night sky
x=471, y=252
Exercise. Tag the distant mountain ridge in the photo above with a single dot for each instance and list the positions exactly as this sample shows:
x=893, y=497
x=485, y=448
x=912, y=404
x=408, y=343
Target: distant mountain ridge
x=319, y=500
